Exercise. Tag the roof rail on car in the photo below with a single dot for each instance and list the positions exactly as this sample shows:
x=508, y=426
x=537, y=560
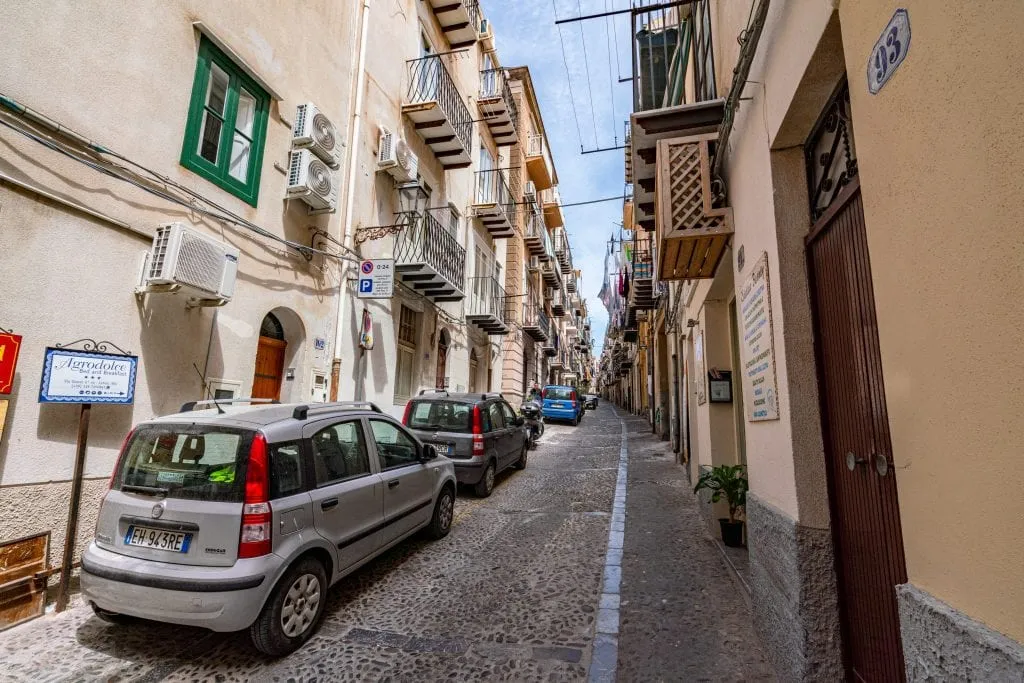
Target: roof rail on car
x=189, y=406
x=433, y=391
x=304, y=411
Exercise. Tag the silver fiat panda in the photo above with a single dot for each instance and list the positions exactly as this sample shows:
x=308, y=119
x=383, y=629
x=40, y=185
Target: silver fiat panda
x=235, y=515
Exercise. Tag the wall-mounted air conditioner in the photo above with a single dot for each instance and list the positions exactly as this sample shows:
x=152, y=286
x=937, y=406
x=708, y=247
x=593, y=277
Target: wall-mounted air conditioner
x=534, y=264
x=184, y=258
x=395, y=157
x=313, y=130
x=310, y=180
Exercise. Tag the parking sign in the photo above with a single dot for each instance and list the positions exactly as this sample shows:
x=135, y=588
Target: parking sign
x=376, y=278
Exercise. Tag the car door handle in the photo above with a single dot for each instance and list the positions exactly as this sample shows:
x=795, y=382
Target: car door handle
x=329, y=503
x=394, y=483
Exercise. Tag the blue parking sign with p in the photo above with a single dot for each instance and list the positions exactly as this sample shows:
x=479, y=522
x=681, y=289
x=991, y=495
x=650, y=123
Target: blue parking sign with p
x=365, y=285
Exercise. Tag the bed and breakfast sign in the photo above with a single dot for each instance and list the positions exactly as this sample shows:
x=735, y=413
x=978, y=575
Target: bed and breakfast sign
x=759, y=382
x=71, y=376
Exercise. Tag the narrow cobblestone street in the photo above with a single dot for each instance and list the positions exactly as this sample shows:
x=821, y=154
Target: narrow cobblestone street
x=513, y=593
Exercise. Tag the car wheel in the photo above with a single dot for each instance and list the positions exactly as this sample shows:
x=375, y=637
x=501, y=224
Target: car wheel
x=576, y=421
x=444, y=512
x=521, y=463
x=484, y=487
x=112, y=617
x=293, y=610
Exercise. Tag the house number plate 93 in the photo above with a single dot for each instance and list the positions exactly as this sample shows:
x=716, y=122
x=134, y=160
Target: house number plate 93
x=889, y=51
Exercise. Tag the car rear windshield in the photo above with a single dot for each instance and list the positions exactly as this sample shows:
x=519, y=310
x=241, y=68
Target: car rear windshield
x=186, y=461
x=558, y=393
x=441, y=416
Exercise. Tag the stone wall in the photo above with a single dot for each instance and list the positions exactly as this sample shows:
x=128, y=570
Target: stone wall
x=940, y=643
x=793, y=592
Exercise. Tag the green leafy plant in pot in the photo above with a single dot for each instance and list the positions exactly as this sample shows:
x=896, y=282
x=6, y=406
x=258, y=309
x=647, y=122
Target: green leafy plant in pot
x=729, y=482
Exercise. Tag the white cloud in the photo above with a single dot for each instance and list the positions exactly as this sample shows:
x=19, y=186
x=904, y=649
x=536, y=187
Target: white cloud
x=526, y=35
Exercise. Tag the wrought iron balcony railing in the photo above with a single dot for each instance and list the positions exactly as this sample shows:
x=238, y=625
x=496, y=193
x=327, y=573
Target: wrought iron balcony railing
x=498, y=106
x=426, y=246
x=535, y=145
x=429, y=81
x=494, y=204
x=487, y=304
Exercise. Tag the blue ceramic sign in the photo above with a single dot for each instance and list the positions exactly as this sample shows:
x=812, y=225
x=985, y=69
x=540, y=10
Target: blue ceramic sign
x=889, y=51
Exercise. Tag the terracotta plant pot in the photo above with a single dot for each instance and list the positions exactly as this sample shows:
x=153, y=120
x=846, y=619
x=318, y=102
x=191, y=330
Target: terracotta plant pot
x=732, y=533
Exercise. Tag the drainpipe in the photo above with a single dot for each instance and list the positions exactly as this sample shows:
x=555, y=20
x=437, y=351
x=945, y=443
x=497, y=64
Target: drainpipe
x=350, y=181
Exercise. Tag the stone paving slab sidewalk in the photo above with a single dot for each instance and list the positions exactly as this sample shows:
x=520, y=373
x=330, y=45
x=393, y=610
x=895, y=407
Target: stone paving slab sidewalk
x=682, y=617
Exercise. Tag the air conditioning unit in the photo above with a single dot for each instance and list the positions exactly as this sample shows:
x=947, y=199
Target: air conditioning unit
x=534, y=265
x=531, y=191
x=182, y=257
x=313, y=130
x=310, y=180
x=395, y=157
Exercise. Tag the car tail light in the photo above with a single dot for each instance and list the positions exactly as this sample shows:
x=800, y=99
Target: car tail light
x=408, y=413
x=478, y=432
x=255, y=538
x=572, y=397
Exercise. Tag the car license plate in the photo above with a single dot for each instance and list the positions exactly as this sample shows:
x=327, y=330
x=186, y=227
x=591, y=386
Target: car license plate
x=145, y=537
x=556, y=405
x=442, y=448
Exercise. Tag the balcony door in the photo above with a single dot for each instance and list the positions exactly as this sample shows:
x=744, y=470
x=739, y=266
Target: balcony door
x=488, y=77
x=428, y=72
x=483, y=271
x=486, y=181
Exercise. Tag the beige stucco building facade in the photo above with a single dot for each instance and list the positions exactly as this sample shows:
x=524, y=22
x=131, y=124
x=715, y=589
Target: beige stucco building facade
x=184, y=114
x=869, y=211
x=73, y=240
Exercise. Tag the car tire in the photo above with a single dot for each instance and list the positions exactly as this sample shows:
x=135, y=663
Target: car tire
x=275, y=635
x=485, y=486
x=444, y=513
x=115, y=618
x=521, y=463
x=576, y=421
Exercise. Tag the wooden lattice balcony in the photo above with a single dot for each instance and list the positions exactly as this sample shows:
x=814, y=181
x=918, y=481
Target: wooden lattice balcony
x=692, y=233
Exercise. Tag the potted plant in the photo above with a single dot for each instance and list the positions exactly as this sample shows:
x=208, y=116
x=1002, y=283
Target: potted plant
x=727, y=481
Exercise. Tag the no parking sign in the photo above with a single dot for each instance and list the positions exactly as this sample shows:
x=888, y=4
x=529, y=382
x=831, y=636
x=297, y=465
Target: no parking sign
x=377, y=278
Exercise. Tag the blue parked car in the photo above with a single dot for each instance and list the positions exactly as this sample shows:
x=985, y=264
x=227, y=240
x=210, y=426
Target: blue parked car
x=562, y=403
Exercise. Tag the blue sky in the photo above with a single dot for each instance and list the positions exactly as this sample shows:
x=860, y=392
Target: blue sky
x=526, y=35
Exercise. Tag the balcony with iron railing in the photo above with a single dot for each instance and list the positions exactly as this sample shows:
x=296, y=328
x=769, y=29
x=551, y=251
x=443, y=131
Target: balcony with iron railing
x=558, y=304
x=438, y=111
x=551, y=275
x=498, y=107
x=494, y=205
x=538, y=240
x=570, y=282
x=642, y=294
x=551, y=202
x=487, y=304
x=429, y=258
x=535, y=320
x=459, y=19
x=563, y=252
x=538, y=162
x=552, y=344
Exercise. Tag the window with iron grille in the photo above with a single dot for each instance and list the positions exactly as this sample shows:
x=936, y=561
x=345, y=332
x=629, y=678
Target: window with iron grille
x=703, y=53
x=408, y=324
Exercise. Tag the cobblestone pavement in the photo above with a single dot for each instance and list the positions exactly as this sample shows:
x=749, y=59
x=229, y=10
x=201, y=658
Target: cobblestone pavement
x=512, y=594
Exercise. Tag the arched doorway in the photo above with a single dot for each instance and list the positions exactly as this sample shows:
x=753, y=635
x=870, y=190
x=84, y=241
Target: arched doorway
x=474, y=368
x=266, y=381
x=442, y=360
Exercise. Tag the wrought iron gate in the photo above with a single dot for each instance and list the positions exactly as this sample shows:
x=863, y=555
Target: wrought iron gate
x=862, y=483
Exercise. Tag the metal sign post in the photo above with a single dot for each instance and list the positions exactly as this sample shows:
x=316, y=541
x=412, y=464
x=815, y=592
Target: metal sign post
x=84, y=376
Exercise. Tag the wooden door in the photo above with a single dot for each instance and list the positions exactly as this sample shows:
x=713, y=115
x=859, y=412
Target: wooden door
x=442, y=365
x=266, y=381
x=862, y=484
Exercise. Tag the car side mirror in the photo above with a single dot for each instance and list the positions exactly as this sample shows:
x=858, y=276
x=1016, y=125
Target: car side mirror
x=520, y=421
x=428, y=452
